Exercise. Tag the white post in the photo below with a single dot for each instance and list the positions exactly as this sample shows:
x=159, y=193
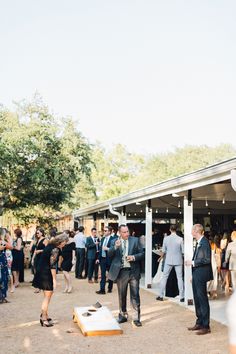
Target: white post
x=188, y=250
x=106, y=220
x=148, y=248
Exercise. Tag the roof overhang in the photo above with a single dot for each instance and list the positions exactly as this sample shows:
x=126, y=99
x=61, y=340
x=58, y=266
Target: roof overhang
x=180, y=185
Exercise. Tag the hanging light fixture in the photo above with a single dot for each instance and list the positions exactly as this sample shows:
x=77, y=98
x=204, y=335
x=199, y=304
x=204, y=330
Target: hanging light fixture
x=223, y=200
x=206, y=204
x=180, y=212
x=179, y=204
x=209, y=213
x=141, y=210
x=156, y=211
x=167, y=210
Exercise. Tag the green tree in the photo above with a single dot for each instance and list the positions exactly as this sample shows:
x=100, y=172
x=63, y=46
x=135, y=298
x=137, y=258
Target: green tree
x=42, y=157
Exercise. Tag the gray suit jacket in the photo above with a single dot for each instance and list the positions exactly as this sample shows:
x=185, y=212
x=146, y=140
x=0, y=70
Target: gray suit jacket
x=231, y=255
x=135, y=249
x=173, y=247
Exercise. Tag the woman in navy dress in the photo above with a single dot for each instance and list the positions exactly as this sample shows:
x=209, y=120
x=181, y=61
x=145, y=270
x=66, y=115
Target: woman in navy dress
x=45, y=277
x=4, y=245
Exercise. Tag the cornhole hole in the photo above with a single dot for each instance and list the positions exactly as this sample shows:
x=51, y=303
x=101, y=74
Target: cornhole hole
x=96, y=321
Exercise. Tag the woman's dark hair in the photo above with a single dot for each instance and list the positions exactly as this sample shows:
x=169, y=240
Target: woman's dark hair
x=18, y=232
x=41, y=229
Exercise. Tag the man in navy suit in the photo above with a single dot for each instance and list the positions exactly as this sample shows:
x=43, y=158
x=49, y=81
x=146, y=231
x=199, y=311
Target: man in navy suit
x=201, y=274
x=92, y=245
x=104, y=260
x=126, y=254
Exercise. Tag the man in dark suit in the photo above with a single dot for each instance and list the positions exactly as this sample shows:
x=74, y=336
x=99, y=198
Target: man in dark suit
x=201, y=274
x=126, y=254
x=92, y=245
x=104, y=260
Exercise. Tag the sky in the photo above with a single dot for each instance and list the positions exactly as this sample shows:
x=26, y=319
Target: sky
x=152, y=75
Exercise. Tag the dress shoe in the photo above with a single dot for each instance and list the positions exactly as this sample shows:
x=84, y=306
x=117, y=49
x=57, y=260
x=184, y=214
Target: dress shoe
x=90, y=281
x=203, y=331
x=122, y=319
x=159, y=298
x=194, y=328
x=137, y=323
x=109, y=291
x=95, y=281
x=182, y=300
x=101, y=292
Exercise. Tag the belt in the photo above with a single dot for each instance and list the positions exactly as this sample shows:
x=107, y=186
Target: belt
x=126, y=268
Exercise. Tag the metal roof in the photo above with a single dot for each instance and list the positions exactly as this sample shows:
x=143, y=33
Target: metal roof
x=209, y=175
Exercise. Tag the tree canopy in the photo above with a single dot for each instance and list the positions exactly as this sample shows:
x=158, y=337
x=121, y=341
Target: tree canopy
x=41, y=157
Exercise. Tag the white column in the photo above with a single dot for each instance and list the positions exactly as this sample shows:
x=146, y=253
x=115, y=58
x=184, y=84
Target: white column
x=106, y=220
x=188, y=250
x=148, y=248
x=122, y=219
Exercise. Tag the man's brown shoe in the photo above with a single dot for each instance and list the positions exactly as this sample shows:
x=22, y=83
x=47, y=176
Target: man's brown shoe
x=203, y=331
x=90, y=281
x=194, y=328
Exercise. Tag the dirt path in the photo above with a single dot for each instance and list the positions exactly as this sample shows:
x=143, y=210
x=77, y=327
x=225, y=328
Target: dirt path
x=163, y=332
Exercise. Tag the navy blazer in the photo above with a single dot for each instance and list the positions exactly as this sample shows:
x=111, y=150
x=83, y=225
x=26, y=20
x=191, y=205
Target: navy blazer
x=135, y=249
x=108, y=259
x=91, y=248
x=202, y=261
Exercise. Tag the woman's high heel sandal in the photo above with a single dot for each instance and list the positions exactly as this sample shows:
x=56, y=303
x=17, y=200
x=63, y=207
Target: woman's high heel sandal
x=45, y=323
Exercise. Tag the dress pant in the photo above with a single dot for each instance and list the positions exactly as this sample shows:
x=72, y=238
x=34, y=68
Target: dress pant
x=201, y=302
x=104, y=268
x=80, y=257
x=179, y=275
x=125, y=278
x=233, y=279
x=92, y=269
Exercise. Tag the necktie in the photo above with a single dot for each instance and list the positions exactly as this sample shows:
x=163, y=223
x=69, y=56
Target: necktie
x=124, y=251
x=104, y=245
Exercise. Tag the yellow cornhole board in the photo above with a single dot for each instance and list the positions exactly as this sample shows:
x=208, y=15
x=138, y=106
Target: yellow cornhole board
x=99, y=322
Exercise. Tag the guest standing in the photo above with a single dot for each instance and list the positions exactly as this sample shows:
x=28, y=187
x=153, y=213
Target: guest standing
x=40, y=245
x=45, y=278
x=18, y=257
x=104, y=260
x=126, y=254
x=4, y=245
x=231, y=258
x=80, y=241
x=68, y=259
x=201, y=274
x=92, y=245
x=173, y=249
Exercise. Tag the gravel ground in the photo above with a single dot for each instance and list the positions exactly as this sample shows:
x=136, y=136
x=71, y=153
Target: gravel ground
x=163, y=332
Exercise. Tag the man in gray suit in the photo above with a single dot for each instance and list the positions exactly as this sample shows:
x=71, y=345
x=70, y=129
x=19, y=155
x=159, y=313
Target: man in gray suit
x=126, y=254
x=173, y=249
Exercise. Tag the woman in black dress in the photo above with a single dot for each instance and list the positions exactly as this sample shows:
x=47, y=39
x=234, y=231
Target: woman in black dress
x=18, y=258
x=40, y=245
x=45, y=278
x=68, y=259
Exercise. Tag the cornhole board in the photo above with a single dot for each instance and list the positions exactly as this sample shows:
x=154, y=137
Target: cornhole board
x=100, y=322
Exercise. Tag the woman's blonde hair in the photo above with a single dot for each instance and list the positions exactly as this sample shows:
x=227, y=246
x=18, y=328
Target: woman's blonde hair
x=233, y=236
x=57, y=240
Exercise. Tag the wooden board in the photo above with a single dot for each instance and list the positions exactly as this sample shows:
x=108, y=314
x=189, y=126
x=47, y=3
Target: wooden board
x=100, y=322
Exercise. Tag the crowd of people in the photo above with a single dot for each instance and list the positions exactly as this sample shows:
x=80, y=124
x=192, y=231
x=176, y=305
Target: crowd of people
x=117, y=256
